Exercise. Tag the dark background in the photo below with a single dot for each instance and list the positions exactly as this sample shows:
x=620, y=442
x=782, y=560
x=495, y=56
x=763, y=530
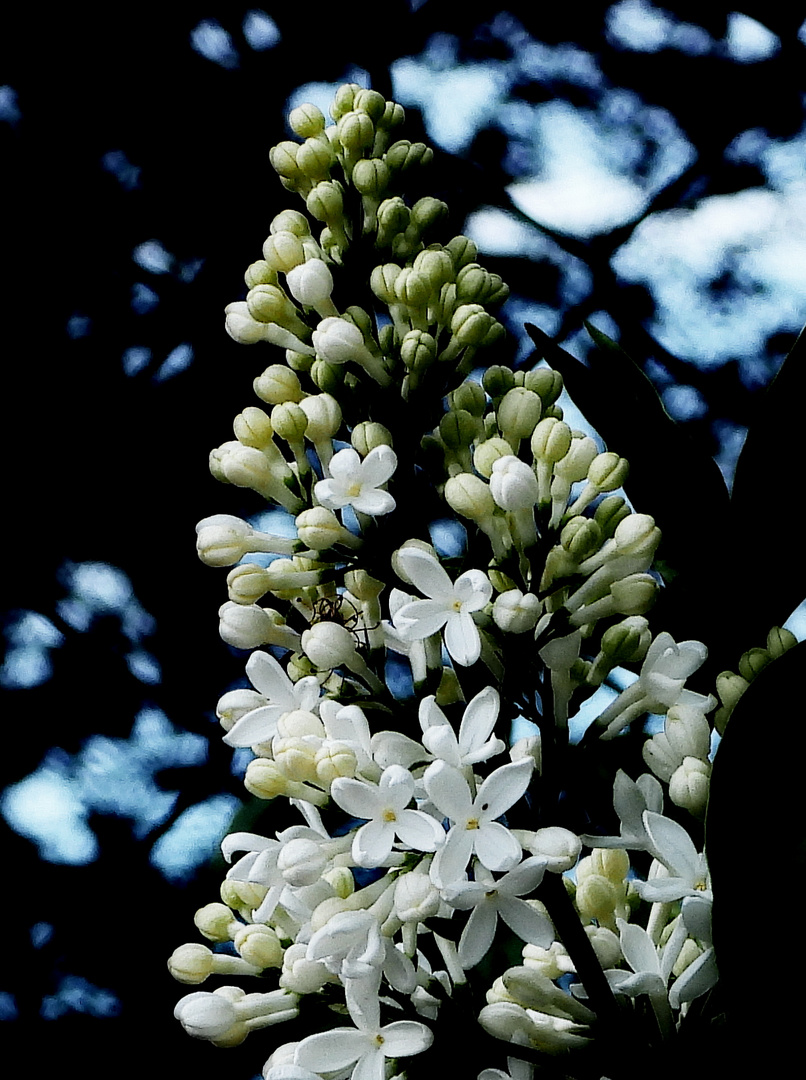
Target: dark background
x=118, y=133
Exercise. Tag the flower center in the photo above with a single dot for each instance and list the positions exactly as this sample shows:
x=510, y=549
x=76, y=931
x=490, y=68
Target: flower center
x=379, y=1040
x=472, y=823
x=389, y=815
x=354, y=490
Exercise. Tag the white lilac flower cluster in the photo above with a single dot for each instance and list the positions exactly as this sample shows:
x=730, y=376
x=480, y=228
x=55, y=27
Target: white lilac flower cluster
x=386, y=675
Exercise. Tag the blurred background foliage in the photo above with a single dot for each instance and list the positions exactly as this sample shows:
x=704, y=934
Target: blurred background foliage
x=638, y=166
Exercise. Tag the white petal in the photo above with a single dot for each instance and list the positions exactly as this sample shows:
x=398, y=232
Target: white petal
x=638, y=948
x=345, y=467
x=419, y=830
x=360, y=800
x=452, y=858
x=378, y=466
x=405, y=1037
x=503, y=788
x=328, y=1051
x=474, y=590
x=426, y=573
x=673, y=846
x=530, y=925
x=373, y=842
x=266, y=675
x=448, y=791
x=462, y=638
x=420, y=619
x=495, y=846
x=477, y=936
x=479, y=720
x=373, y=502
x=259, y=725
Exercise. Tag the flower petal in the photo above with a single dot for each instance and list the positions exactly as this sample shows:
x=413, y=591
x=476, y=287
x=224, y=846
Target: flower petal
x=503, y=788
x=419, y=830
x=477, y=936
x=420, y=619
x=328, y=1051
x=373, y=502
x=378, y=466
x=462, y=638
x=495, y=846
x=259, y=725
x=267, y=676
x=478, y=720
x=473, y=589
x=405, y=1037
x=426, y=573
x=448, y=791
x=530, y=925
x=373, y=842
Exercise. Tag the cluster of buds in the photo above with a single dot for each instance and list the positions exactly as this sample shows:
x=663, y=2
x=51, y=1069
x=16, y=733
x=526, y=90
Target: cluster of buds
x=380, y=423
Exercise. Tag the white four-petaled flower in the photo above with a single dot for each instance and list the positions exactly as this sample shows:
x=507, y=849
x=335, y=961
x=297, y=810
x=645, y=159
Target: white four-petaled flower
x=356, y=483
x=449, y=604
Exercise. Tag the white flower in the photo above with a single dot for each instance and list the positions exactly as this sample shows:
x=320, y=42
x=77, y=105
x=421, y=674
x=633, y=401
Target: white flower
x=630, y=799
x=367, y=1045
x=356, y=483
x=475, y=829
x=450, y=604
x=489, y=899
x=688, y=870
x=384, y=807
x=474, y=743
x=660, y=685
x=282, y=696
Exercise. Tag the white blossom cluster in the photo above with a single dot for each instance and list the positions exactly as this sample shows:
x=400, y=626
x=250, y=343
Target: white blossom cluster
x=386, y=675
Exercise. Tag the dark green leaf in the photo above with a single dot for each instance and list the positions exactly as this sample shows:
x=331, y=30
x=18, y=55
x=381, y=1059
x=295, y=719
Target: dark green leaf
x=670, y=478
x=768, y=468
x=756, y=847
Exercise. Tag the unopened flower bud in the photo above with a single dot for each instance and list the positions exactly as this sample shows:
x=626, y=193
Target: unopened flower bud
x=283, y=158
x=513, y=484
x=315, y=159
x=260, y=273
x=488, y=452
x=689, y=784
x=355, y=131
x=779, y=641
x=283, y=251
x=216, y=922
x=515, y=612
x=418, y=350
x=367, y=435
x=371, y=177
x=301, y=862
x=416, y=899
x=559, y=847
x=247, y=583
x=277, y=384
x=306, y=121
x=259, y=946
x=753, y=663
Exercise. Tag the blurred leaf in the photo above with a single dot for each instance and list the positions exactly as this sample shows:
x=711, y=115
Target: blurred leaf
x=766, y=473
x=756, y=845
x=670, y=478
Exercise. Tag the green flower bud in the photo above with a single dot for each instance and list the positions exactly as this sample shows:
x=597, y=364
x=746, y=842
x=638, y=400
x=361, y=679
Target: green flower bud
x=610, y=513
x=371, y=177
x=427, y=212
x=343, y=101
x=315, y=159
x=283, y=251
x=581, y=537
x=469, y=396
x=393, y=218
x=435, y=265
x=634, y=594
x=370, y=102
x=269, y=304
x=779, y=641
x=689, y=785
x=518, y=414
x=328, y=377
x=418, y=350
x=247, y=583
x=515, y=612
x=473, y=284
x=470, y=497
x=355, y=131
x=367, y=435
x=471, y=324
x=458, y=428
x=546, y=382
x=393, y=116
x=404, y=155
x=290, y=221
x=215, y=922
x=259, y=946
x=608, y=471
x=260, y=273
x=551, y=440
x=488, y=452
x=497, y=380
x=753, y=662
x=382, y=282
x=411, y=288
x=289, y=421
x=627, y=642
x=252, y=427
x=325, y=202
x=462, y=250
x=306, y=121
x=319, y=529
x=283, y=158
